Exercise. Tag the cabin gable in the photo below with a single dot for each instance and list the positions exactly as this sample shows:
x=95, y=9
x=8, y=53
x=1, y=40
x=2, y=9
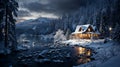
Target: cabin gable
x=90, y=29
x=80, y=29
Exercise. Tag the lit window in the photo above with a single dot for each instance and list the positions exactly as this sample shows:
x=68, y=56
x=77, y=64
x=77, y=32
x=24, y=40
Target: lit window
x=89, y=29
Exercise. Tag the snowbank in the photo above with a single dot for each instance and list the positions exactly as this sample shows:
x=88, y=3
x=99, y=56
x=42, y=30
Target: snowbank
x=113, y=62
x=84, y=42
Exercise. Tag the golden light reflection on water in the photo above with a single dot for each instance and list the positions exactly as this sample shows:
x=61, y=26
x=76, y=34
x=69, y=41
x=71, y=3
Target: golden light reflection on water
x=83, y=54
x=83, y=51
x=83, y=60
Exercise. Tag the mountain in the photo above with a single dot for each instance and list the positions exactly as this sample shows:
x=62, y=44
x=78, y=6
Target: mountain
x=39, y=26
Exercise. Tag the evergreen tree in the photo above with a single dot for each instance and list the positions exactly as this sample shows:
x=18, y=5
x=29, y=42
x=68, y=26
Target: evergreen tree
x=1, y=19
x=116, y=32
x=7, y=18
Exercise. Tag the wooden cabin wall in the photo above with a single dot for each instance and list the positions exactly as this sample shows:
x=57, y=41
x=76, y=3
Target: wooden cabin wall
x=84, y=36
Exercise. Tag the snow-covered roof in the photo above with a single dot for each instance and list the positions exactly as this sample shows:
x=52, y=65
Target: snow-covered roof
x=84, y=28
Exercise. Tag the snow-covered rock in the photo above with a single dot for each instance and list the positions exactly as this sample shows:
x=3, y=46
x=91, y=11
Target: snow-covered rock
x=43, y=52
x=21, y=48
x=60, y=61
x=42, y=60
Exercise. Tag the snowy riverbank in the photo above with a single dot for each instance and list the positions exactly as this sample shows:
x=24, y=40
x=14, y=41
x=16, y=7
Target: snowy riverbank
x=106, y=53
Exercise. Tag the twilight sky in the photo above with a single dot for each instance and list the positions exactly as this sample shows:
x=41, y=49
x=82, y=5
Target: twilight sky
x=31, y=9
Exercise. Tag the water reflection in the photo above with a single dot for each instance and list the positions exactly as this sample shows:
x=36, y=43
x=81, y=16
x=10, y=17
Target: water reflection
x=83, y=60
x=82, y=54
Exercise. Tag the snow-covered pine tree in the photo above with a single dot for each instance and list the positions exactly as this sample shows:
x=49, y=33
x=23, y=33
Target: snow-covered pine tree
x=59, y=36
x=67, y=34
x=1, y=19
x=116, y=32
x=9, y=12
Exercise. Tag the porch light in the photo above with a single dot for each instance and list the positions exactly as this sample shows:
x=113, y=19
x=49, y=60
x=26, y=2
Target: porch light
x=110, y=28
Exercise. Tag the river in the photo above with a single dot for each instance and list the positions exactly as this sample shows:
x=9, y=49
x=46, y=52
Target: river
x=65, y=56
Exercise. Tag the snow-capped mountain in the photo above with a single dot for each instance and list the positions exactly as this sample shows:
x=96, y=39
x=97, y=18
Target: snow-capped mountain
x=40, y=25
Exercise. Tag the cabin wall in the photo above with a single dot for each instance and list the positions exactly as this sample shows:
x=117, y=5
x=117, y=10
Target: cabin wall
x=84, y=36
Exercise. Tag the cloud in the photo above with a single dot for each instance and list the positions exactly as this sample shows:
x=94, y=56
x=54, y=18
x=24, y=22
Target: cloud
x=23, y=13
x=51, y=8
x=54, y=6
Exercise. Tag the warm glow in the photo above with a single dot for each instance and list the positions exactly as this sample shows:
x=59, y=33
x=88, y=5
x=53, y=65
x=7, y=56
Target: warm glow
x=83, y=60
x=81, y=50
x=88, y=53
x=110, y=28
x=89, y=29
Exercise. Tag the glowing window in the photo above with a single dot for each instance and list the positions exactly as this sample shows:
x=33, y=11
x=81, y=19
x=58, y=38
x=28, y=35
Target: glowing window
x=89, y=29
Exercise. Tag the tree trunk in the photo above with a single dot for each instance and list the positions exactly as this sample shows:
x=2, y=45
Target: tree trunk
x=6, y=30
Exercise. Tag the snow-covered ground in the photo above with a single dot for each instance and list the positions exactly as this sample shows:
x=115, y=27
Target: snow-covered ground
x=84, y=42
x=113, y=62
x=106, y=52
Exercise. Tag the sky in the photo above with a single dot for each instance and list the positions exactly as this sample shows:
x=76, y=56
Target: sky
x=32, y=9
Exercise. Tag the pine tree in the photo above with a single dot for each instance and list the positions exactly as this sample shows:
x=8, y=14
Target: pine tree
x=116, y=31
x=1, y=19
x=9, y=12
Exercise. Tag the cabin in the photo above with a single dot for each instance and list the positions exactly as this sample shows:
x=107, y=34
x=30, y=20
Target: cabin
x=87, y=31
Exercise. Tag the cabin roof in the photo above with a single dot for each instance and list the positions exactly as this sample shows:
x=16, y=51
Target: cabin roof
x=84, y=28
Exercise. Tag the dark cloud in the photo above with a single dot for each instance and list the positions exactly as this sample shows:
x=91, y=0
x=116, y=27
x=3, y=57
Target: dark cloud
x=55, y=6
x=36, y=7
x=23, y=13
